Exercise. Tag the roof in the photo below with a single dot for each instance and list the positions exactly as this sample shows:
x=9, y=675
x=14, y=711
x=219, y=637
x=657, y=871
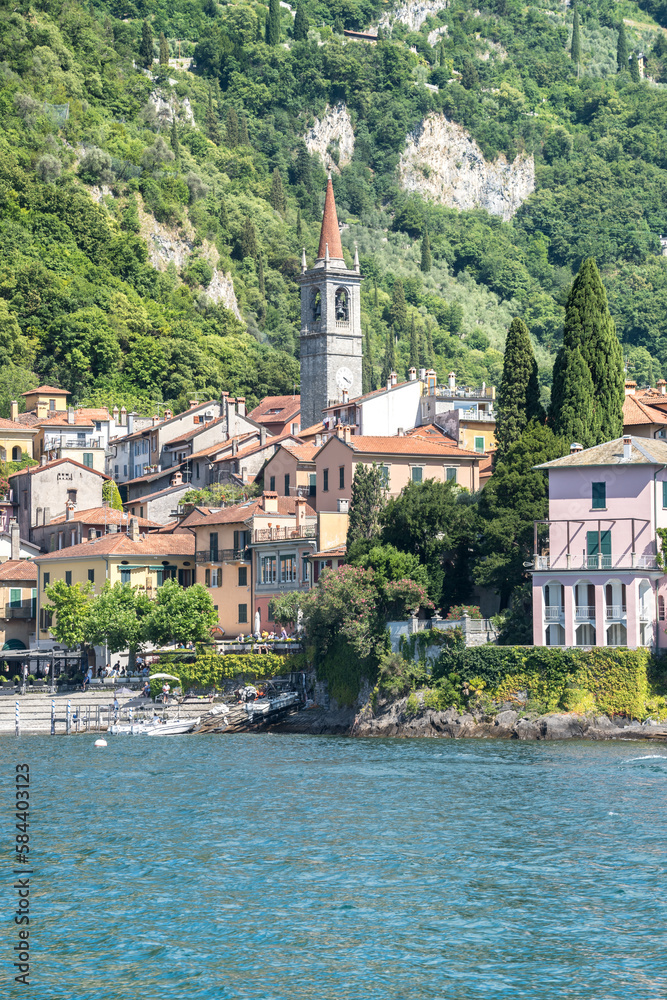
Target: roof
x=271, y=442
x=276, y=409
x=636, y=412
x=645, y=451
x=330, y=233
x=337, y=550
x=18, y=569
x=194, y=431
x=412, y=445
x=101, y=515
x=226, y=445
x=34, y=470
x=46, y=388
x=165, y=423
x=431, y=432
x=370, y=395
x=12, y=425
x=83, y=416
x=302, y=452
x=240, y=513
x=312, y=430
x=158, y=493
x=119, y=544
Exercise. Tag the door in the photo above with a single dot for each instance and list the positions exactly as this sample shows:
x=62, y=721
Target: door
x=598, y=545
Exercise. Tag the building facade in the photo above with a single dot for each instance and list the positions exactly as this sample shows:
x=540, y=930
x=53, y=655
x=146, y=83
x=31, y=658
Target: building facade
x=18, y=603
x=49, y=490
x=597, y=578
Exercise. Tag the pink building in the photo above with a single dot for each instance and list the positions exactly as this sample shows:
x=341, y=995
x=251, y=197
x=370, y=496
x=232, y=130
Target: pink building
x=596, y=578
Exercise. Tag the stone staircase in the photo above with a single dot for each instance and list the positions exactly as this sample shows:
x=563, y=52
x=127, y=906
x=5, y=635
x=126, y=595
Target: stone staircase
x=35, y=710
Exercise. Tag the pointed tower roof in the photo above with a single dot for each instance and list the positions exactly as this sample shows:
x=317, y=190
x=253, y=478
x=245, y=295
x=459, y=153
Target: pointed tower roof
x=330, y=235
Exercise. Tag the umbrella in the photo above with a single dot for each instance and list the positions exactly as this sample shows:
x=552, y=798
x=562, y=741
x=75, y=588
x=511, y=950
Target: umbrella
x=164, y=677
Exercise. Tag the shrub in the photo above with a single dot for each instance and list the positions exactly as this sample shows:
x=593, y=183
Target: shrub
x=95, y=167
x=459, y=610
x=48, y=168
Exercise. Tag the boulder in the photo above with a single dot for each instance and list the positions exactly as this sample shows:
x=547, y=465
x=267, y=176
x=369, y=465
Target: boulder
x=505, y=720
x=527, y=730
x=561, y=727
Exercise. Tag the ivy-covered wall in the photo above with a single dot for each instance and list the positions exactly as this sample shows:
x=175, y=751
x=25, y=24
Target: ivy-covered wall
x=213, y=671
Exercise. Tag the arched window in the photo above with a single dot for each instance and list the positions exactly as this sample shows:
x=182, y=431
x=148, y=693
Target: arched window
x=16, y=454
x=342, y=306
x=317, y=305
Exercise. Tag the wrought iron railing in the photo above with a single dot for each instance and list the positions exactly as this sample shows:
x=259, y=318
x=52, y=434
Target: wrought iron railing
x=221, y=555
x=277, y=534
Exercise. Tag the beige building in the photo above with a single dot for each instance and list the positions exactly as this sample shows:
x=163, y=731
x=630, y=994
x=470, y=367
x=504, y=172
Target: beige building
x=16, y=440
x=49, y=490
x=404, y=459
x=77, y=526
x=291, y=471
x=18, y=602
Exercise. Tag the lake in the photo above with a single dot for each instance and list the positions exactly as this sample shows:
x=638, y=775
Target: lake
x=271, y=867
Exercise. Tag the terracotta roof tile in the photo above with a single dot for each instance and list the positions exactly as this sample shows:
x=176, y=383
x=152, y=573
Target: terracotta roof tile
x=645, y=451
x=407, y=446
x=102, y=515
x=302, y=452
x=330, y=233
x=288, y=407
x=35, y=470
x=12, y=425
x=18, y=569
x=636, y=412
x=158, y=493
x=240, y=513
x=46, y=388
x=120, y=544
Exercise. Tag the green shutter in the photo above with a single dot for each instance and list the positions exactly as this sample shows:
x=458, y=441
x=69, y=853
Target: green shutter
x=599, y=495
x=14, y=598
x=416, y=474
x=664, y=493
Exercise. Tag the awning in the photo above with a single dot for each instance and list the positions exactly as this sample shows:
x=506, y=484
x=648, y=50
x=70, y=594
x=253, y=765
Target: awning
x=14, y=644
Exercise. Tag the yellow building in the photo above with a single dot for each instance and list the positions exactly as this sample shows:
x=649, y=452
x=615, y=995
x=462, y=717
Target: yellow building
x=145, y=561
x=16, y=439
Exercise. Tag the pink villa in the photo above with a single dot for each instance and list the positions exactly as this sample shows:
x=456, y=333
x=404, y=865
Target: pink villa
x=596, y=577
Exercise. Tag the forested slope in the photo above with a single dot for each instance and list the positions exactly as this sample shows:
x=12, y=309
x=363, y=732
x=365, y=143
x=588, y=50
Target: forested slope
x=200, y=166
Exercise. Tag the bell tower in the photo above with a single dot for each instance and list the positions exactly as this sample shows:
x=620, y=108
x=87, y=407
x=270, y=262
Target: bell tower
x=330, y=322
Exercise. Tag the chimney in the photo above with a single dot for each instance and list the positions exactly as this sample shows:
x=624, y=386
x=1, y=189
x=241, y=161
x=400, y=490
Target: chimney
x=123, y=417
x=347, y=434
x=262, y=436
x=15, y=536
x=68, y=512
x=156, y=420
x=114, y=414
x=357, y=268
x=394, y=378
x=42, y=409
x=661, y=385
x=300, y=507
x=318, y=440
x=176, y=479
x=240, y=406
x=244, y=475
x=630, y=387
x=193, y=403
x=389, y=383
x=270, y=503
x=627, y=447
x=130, y=422
x=134, y=529
x=235, y=446
x=343, y=505
x=346, y=396
x=168, y=414
x=304, y=265
x=451, y=380
x=13, y=410
x=401, y=432
x=412, y=374
x=70, y=415
x=575, y=448
x=422, y=374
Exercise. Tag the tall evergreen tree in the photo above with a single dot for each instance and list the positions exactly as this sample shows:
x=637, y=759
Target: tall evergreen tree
x=248, y=239
x=299, y=227
x=244, y=138
x=277, y=196
x=389, y=362
x=273, y=23
x=519, y=394
x=173, y=140
x=590, y=328
x=576, y=415
x=232, y=128
x=164, y=50
x=212, y=128
x=426, y=260
x=398, y=311
x=300, y=22
x=622, y=54
x=366, y=504
x=575, y=49
x=634, y=68
x=414, y=346
x=260, y=275
x=146, y=46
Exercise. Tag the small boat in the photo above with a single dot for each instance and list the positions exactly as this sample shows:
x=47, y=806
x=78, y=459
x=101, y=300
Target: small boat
x=156, y=727
x=271, y=706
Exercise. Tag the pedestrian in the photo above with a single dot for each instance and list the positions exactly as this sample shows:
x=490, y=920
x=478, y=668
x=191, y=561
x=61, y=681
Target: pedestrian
x=165, y=693
x=116, y=708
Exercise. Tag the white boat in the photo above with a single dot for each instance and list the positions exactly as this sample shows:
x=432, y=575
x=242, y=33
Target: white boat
x=155, y=727
x=275, y=704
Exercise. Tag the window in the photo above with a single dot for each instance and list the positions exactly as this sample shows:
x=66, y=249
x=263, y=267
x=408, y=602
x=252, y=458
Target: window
x=243, y=576
x=243, y=614
x=24, y=497
x=98, y=425
x=287, y=484
x=384, y=470
x=450, y=475
x=305, y=566
x=125, y=575
x=664, y=493
x=207, y=578
x=316, y=304
x=15, y=598
x=88, y=459
x=91, y=575
x=325, y=480
x=661, y=608
x=141, y=512
x=46, y=580
x=52, y=404
x=272, y=484
x=45, y=618
x=479, y=443
x=598, y=549
x=241, y=543
x=312, y=484
x=288, y=569
x=115, y=471
x=268, y=569
x=124, y=470
x=599, y=496
x=16, y=454
x=342, y=306
x=417, y=473
x=68, y=577
x=341, y=477
x=213, y=546
x=71, y=496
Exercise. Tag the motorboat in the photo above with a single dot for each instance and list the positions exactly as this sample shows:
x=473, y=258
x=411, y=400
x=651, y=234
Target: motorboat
x=271, y=706
x=154, y=727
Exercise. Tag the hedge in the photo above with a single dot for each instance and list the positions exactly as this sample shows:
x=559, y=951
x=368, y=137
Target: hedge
x=212, y=671
x=615, y=682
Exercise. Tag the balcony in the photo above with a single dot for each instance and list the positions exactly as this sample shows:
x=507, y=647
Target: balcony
x=488, y=392
x=479, y=415
x=24, y=609
x=221, y=555
x=584, y=612
x=554, y=614
x=615, y=612
x=90, y=444
x=645, y=614
x=624, y=563
x=279, y=534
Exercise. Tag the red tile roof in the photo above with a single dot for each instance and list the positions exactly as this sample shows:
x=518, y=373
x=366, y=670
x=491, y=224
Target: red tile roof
x=12, y=425
x=330, y=234
x=637, y=412
x=18, y=569
x=302, y=452
x=101, y=516
x=240, y=513
x=406, y=446
x=35, y=470
x=271, y=442
x=287, y=408
x=120, y=544
x=46, y=389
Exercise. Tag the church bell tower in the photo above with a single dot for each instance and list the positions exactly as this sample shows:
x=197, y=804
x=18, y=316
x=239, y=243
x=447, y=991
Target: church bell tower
x=330, y=322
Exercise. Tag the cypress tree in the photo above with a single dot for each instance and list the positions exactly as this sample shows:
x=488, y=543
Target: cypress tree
x=367, y=501
x=244, y=138
x=519, y=394
x=389, y=363
x=575, y=49
x=248, y=239
x=576, y=417
x=622, y=49
x=367, y=364
x=232, y=128
x=223, y=218
x=414, y=346
x=146, y=45
x=426, y=253
x=423, y=359
x=398, y=311
x=273, y=23
x=300, y=22
x=299, y=227
x=212, y=129
x=164, y=50
x=260, y=275
x=430, y=361
x=590, y=328
x=277, y=197
x=634, y=68
x=173, y=140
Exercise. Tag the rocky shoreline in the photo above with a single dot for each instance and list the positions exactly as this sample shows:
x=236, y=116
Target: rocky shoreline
x=394, y=720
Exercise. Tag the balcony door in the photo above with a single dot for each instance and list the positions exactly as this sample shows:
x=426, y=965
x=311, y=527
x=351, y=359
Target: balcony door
x=598, y=549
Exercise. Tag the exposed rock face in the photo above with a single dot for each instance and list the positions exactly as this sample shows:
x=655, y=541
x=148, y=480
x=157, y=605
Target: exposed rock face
x=168, y=108
x=334, y=128
x=413, y=13
x=166, y=246
x=443, y=163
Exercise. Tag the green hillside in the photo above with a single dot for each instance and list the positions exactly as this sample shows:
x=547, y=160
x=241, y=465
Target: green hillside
x=210, y=176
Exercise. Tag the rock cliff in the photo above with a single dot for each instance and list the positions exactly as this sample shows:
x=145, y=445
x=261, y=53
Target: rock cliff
x=442, y=162
x=413, y=13
x=334, y=129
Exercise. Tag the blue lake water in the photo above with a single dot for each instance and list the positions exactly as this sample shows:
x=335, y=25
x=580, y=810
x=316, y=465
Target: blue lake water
x=288, y=867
